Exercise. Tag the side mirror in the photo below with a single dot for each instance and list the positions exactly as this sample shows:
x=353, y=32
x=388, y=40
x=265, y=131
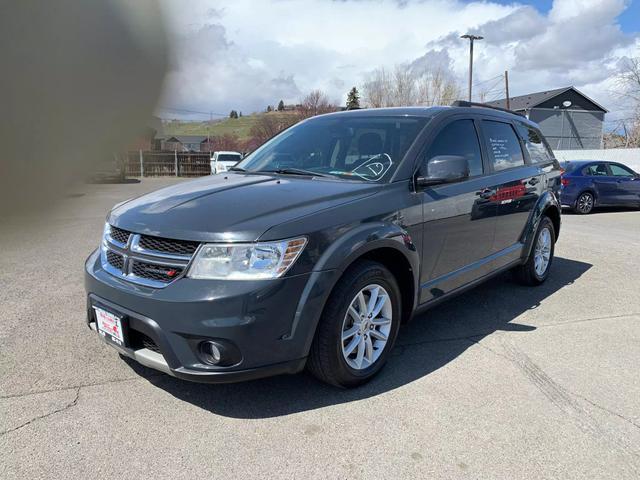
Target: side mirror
x=444, y=169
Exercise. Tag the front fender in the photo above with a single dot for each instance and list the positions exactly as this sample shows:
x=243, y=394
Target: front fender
x=337, y=258
x=547, y=200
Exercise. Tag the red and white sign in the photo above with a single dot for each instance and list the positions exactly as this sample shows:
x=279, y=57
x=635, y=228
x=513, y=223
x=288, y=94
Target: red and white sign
x=109, y=324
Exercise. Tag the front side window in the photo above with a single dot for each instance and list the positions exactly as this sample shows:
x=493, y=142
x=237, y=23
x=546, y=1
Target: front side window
x=538, y=151
x=458, y=138
x=620, y=171
x=503, y=144
x=349, y=147
x=596, y=170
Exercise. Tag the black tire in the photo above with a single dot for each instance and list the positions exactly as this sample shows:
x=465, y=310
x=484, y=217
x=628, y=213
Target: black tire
x=585, y=203
x=526, y=273
x=326, y=360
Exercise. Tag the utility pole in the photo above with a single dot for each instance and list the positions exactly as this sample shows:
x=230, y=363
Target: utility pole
x=471, y=38
x=506, y=88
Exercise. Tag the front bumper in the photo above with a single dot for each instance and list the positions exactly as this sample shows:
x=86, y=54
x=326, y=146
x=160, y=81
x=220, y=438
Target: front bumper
x=269, y=323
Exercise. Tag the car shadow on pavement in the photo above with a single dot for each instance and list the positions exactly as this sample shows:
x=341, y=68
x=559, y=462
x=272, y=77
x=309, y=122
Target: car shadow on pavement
x=430, y=341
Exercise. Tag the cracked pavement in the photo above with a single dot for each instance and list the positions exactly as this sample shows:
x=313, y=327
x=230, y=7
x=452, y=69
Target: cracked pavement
x=502, y=382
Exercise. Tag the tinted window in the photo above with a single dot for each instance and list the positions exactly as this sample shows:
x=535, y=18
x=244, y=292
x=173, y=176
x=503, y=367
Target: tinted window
x=538, y=151
x=227, y=157
x=596, y=170
x=620, y=171
x=344, y=146
x=568, y=167
x=458, y=138
x=503, y=144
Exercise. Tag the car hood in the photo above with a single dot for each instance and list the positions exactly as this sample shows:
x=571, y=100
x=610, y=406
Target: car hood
x=236, y=207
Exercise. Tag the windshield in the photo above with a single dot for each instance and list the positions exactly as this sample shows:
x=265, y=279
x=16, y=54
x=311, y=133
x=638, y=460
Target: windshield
x=229, y=157
x=348, y=147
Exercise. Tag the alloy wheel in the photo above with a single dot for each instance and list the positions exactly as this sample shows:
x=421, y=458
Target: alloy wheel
x=542, y=253
x=366, y=327
x=585, y=203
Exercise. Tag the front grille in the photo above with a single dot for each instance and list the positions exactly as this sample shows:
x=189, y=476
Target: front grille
x=119, y=235
x=151, y=261
x=152, y=271
x=165, y=245
x=115, y=260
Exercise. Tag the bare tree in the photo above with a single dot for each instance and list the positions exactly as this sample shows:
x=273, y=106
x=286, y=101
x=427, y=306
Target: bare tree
x=408, y=86
x=628, y=82
x=315, y=103
x=377, y=89
x=268, y=126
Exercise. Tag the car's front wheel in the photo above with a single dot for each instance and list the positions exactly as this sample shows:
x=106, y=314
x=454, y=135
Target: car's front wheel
x=358, y=327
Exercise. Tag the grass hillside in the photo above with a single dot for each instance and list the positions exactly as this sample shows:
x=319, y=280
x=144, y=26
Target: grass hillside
x=238, y=126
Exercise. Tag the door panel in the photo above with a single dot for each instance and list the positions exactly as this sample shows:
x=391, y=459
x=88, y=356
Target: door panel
x=627, y=184
x=517, y=193
x=517, y=185
x=459, y=218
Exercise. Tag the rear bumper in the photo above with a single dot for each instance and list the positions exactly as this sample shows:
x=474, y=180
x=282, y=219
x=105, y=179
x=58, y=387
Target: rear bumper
x=269, y=325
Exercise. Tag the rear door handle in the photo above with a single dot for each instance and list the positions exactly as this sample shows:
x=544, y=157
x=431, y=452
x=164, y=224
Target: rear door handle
x=486, y=193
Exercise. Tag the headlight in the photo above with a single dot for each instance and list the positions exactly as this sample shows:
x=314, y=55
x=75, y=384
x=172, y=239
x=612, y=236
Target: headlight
x=247, y=261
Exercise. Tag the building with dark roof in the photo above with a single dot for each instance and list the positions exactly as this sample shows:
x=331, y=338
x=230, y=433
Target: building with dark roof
x=186, y=143
x=567, y=117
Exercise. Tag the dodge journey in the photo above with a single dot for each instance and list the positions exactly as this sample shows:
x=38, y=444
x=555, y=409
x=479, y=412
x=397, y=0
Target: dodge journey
x=317, y=247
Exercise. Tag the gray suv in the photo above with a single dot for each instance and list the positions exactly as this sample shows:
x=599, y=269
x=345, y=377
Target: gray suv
x=315, y=248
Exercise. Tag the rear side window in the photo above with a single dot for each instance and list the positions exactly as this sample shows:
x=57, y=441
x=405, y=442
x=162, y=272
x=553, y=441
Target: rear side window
x=538, y=151
x=503, y=144
x=620, y=171
x=596, y=170
x=458, y=138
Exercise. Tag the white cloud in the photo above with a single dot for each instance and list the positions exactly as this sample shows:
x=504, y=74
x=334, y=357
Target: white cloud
x=246, y=54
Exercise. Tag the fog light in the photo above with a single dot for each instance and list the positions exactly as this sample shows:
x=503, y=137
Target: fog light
x=211, y=352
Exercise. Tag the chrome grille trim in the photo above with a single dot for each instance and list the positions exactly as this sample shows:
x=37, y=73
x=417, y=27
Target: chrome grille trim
x=136, y=247
x=133, y=254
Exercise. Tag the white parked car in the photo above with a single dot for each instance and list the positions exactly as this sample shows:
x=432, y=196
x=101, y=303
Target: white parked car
x=222, y=161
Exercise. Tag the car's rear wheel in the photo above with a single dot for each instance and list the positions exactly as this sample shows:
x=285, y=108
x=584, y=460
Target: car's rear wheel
x=585, y=203
x=358, y=327
x=538, y=265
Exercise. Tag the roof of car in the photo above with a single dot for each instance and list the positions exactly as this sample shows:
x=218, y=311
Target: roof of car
x=584, y=162
x=424, y=111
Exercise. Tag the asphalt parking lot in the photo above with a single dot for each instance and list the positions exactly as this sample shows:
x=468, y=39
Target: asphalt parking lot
x=503, y=382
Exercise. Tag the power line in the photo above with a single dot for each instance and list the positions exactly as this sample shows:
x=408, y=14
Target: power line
x=185, y=110
x=488, y=80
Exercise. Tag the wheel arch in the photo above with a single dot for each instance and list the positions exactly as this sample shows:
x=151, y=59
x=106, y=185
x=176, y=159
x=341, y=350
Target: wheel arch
x=547, y=206
x=389, y=245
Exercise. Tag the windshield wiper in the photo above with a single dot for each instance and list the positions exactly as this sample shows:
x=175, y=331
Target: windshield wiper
x=299, y=171
x=236, y=169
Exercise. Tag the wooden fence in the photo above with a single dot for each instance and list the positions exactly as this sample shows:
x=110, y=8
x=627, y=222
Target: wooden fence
x=167, y=164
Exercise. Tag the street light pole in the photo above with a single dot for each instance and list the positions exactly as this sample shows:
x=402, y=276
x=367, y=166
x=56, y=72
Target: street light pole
x=471, y=38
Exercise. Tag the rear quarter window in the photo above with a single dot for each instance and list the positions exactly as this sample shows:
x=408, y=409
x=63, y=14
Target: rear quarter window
x=537, y=149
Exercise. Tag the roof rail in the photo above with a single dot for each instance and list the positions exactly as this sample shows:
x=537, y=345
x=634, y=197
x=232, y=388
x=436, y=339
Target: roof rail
x=464, y=103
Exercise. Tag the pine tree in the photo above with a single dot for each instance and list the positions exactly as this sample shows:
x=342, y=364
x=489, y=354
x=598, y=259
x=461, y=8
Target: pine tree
x=280, y=106
x=269, y=108
x=353, y=99
x=233, y=114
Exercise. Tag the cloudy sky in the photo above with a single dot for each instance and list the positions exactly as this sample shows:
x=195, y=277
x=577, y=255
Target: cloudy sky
x=246, y=54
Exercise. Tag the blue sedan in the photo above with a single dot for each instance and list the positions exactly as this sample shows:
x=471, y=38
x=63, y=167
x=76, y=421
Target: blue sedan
x=592, y=183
